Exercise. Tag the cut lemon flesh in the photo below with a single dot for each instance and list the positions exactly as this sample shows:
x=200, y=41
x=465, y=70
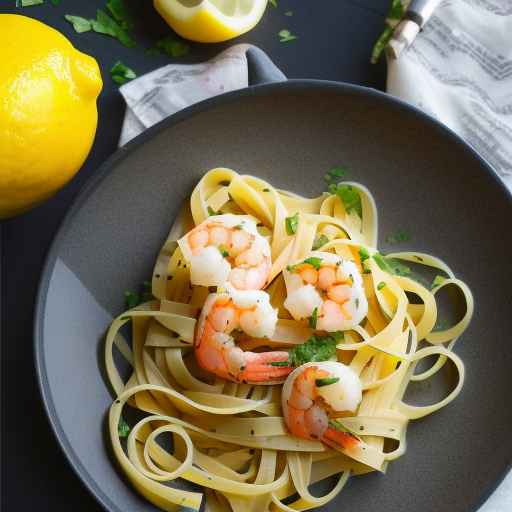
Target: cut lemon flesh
x=211, y=21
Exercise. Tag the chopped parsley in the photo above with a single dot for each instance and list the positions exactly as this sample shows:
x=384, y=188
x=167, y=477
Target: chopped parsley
x=292, y=223
x=104, y=24
x=381, y=285
x=120, y=13
x=438, y=281
x=320, y=241
x=314, y=262
x=349, y=196
x=398, y=237
x=273, y=3
x=280, y=363
x=334, y=175
x=121, y=74
x=223, y=250
x=28, y=3
x=391, y=265
x=211, y=211
x=285, y=36
x=316, y=348
x=327, y=381
x=123, y=429
x=313, y=318
x=173, y=47
x=80, y=24
x=364, y=254
x=131, y=299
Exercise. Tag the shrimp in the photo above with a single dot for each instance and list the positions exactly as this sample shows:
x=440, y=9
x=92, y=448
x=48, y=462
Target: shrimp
x=316, y=393
x=328, y=289
x=215, y=347
x=227, y=248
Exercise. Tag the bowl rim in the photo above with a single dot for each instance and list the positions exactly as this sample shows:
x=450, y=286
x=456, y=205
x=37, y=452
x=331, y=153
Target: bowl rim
x=125, y=151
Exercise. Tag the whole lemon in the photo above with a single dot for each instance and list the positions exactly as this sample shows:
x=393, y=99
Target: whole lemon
x=48, y=114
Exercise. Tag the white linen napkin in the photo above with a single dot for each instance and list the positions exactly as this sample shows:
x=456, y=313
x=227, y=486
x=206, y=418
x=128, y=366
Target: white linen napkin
x=459, y=70
x=158, y=94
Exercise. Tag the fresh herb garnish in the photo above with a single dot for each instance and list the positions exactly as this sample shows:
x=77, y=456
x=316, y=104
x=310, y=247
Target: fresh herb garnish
x=285, y=36
x=273, y=3
x=334, y=175
x=132, y=299
x=28, y=3
x=211, y=211
x=313, y=318
x=398, y=237
x=288, y=13
x=320, y=241
x=381, y=285
x=79, y=24
x=349, y=197
x=314, y=262
x=121, y=74
x=173, y=47
x=223, y=250
x=438, y=281
x=364, y=254
x=104, y=24
x=55, y=2
x=123, y=429
x=391, y=265
x=327, y=381
x=316, y=348
x=280, y=363
x=292, y=223
x=120, y=13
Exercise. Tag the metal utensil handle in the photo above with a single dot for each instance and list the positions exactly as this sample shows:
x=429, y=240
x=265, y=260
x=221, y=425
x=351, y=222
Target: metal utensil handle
x=420, y=11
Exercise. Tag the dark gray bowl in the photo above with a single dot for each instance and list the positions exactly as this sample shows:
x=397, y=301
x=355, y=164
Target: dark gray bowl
x=424, y=179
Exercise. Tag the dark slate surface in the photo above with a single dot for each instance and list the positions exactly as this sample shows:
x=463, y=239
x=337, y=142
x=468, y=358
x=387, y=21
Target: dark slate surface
x=334, y=43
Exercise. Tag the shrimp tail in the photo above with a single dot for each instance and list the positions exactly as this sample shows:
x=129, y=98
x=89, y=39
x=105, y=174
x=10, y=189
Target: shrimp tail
x=259, y=367
x=338, y=439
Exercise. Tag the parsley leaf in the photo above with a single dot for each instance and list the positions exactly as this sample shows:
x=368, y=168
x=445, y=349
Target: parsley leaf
x=79, y=24
x=132, y=299
x=292, y=223
x=381, y=285
x=316, y=348
x=104, y=24
x=314, y=262
x=364, y=254
x=172, y=47
x=211, y=211
x=121, y=73
x=349, y=197
x=332, y=176
x=273, y=3
x=28, y=3
x=313, y=318
x=391, y=265
x=285, y=36
x=438, y=281
x=120, y=13
x=326, y=381
x=223, y=250
x=320, y=241
x=123, y=429
x=55, y=2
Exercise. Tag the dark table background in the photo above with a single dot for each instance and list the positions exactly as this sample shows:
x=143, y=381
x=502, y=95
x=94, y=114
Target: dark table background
x=334, y=42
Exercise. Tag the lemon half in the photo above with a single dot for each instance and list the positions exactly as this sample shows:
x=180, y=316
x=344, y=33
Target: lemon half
x=211, y=21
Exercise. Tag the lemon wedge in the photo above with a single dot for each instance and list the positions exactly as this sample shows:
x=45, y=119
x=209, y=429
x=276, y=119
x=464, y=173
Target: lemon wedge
x=211, y=21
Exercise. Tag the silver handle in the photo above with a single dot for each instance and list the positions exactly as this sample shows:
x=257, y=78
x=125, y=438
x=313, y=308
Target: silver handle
x=420, y=11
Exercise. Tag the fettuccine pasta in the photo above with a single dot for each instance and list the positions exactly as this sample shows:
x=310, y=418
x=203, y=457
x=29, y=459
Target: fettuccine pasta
x=229, y=434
